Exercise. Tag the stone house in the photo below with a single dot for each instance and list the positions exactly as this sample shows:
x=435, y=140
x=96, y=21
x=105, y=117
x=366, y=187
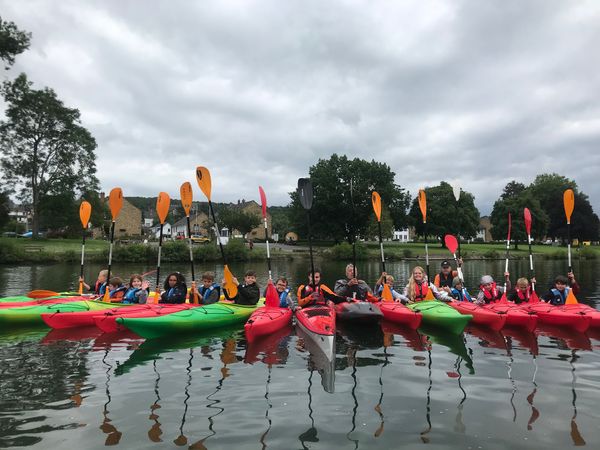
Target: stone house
x=484, y=232
x=198, y=225
x=128, y=223
x=257, y=233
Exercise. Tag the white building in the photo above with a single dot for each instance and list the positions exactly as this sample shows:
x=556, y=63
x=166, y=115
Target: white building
x=402, y=235
x=166, y=231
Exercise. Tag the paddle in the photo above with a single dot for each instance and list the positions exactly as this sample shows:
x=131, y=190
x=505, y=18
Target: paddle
x=423, y=206
x=115, y=203
x=85, y=210
x=503, y=299
x=186, y=202
x=263, y=202
x=204, y=181
x=41, y=293
x=527, y=216
x=305, y=194
x=354, y=288
x=456, y=192
x=452, y=245
x=569, y=204
x=162, y=209
x=386, y=295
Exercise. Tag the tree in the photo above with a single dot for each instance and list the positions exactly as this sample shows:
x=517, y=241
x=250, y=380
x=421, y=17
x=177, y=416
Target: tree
x=236, y=219
x=515, y=201
x=280, y=220
x=12, y=42
x=338, y=215
x=4, y=209
x=45, y=150
x=60, y=213
x=512, y=189
x=446, y=215
x=387, y=226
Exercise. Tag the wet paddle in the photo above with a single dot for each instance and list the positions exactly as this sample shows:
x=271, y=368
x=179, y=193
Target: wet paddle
x=85, y=211
x=305, y=194
x=452, y=244
x=187, y=197
x=115, y=203
x=527, y=217
x=263, y=202
x=456, y=192
x=423, y=207
x=569, y=204
x=205, y=183
x=503, y=299
x=162, y=209
x=386, y=294
x=353, y=230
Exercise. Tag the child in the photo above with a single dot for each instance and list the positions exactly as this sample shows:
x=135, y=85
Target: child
x=459, y=292
x=99, y=286
x=417, y=288
x=389, y=280
x=209, y=292
x=116, y=289
x=317, y=293
x=522, y=292
x=285, y=298
x=174, y=289
x=248, y=292
x=557, y=295
x=489, y=292
x=138, y=290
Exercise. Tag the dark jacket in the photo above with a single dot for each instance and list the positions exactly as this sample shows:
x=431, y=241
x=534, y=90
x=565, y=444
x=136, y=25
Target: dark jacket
x=247, y=294
x=362, y=289
x=175, y=294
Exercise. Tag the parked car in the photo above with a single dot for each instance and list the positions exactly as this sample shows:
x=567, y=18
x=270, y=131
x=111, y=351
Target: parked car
x=197, y=239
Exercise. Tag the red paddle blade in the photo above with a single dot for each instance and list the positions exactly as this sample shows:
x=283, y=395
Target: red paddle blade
x=271, y=298
x=451, y=243
x=41, y=293
x=569, y=203
x=423, y=204
x=263, y=201
x=534, y=298
x=527, y=216
x=503, y=299
x=509, y=226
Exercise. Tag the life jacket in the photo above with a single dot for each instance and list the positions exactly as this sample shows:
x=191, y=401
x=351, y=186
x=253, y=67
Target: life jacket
x=307, y=290
x=176, y=294
x=283, y=298
x=421, y=291
x=130, y=296
x=206, y=291
x=522, y=297
x=118, y=294
x=99, y=288
x=395, y=294
x=462, y=295
x=559, y=298
x=442, y=280
x=491, y=295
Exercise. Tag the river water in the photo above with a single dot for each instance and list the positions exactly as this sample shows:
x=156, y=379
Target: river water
x=390, y=387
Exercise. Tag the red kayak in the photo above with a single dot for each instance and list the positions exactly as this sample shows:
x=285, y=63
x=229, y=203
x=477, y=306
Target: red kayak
x=318, y=324
x=107, y=320
x=559, y=316
x=75, y=319
x=515, y=316
x=413, y=339
x=358, y=311
x=481, y=316
x=398, y=313
x=570, y=337
x=593, y=313
x=267, y=320
x=487, y=337
x=48, y=301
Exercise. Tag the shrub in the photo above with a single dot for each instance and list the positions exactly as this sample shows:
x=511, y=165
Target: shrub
x=491, y=254
x=407, y=253
x=587, y=253
x=236, y=250
x=343, y=251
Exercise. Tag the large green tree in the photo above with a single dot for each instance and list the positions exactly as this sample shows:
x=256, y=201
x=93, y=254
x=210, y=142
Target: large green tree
x=339, y=214
x=237, y=219
x=4, y=208
x=444, y=214
x=12, y=42
x=45, y=149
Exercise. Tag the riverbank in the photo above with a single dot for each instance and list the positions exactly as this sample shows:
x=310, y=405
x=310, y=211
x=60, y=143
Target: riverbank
x=69, y=250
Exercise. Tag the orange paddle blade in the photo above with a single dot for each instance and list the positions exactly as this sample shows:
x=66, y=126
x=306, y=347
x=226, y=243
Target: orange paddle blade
x=569, y=203
x=203, y=178
x=80, y=291
x=386, y=295
x=232, y=289
x=106, y=297
x=376, y=200
x=271, y=298
x=186, y=197
x=429, y=295
x=423, y=204
x=115, y=202
x=41, y=293
x=85, y=211
x=162, y=206
x=571, y=299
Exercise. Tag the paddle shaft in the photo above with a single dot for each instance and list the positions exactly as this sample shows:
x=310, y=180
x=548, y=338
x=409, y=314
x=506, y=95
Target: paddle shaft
x=426, y=249
x=381, y=247
x=531, y=275
x=354, y=288
x=268, y=250
x=160, y=239
x=312, y=264
x=569, y=245
x=82, y=260
x=458, y=268
x=506, y=262
x=110, y=250
x=189, y=230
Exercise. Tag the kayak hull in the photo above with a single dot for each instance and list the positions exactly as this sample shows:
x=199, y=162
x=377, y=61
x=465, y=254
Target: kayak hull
x=358, y=311
x=76, y=319
x=107, y=321
x=515, y=315
x=438, y=315
x=481, y=316
x=557, y=316
x=32, y=315
x=46, y=301
x=318, y=324
x=398, y=313
x=267, y=320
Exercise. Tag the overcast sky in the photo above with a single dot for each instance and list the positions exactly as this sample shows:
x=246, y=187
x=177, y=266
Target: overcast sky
x=474, y=92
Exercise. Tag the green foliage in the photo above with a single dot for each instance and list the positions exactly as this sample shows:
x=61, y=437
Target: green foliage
x=387, y=225
x=4, y=209
x=444, y=214
x=343, y=251
x=587, y=253
x=280, y=218
x=12, y=42
x=44, y=147
x=208, y=252
x=336, y=213
x=236, y=250
x=134, y=253
x=236, y=219
x=491, y=254
x=407, y=253
x=60, y=212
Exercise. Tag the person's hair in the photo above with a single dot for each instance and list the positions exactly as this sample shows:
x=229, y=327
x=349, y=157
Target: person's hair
x=250, y=273
x=135, y=276
x=180, y=280
x=561, y=279
x=522, y=282
x=412, y=291
x=210, y=276
x=284, y=279
x=103, y=273
x=115, y=281
x=317, y=270
x=388, y=277
x=456, y=281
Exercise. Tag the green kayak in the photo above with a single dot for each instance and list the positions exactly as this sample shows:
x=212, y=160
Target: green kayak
x=25, y=298
x=23, y=316
x=440, y=316
x=192, y=320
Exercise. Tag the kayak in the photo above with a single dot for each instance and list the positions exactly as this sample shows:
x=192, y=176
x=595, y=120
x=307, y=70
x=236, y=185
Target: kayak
x=32, y=315
x=439, y=315
x=398, y=313
x=190, y=320
x=488, y=338
x=593, y=313
x=270, y=348
x=28, y=298
x=267, y=320
x=481, y=316
x=358, y=311
x=107, y=320
x=515, y=315
x=318, y=324
x=45, y=301
x=558, y=316
x=573, y=339
x=75, y=319
x=413, y=339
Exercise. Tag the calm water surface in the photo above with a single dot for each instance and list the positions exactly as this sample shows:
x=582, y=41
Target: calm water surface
x=390, y=387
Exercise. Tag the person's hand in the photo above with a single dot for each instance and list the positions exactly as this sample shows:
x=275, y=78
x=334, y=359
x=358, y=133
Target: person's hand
x=460, y=262
x=446, y=289
x=81, y=280
x=315, y=296
x=349, y=299
x=235, y=281
x=533, y=281
x=352, y=282
x=145, y=285
x=571, y=276
x=506, y=275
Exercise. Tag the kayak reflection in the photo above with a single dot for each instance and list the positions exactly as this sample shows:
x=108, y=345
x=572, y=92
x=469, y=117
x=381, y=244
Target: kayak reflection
x=317, y=359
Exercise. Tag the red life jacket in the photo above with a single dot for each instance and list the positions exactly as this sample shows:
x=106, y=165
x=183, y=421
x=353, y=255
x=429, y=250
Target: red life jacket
x=491, y=295
x=421, y=291
x=308, y=290
x=524, y=296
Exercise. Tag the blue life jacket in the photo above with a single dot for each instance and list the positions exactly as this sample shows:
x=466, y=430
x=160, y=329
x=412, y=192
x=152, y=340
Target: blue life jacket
x=206, y=291
x=462, y=295
x=283, y=298
x=559, y=298
x=130, y=295
x=99, y=289
x=118, y=293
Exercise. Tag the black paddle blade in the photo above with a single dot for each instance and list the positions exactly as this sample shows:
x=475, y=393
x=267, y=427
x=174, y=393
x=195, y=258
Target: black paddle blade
x=305, y=192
